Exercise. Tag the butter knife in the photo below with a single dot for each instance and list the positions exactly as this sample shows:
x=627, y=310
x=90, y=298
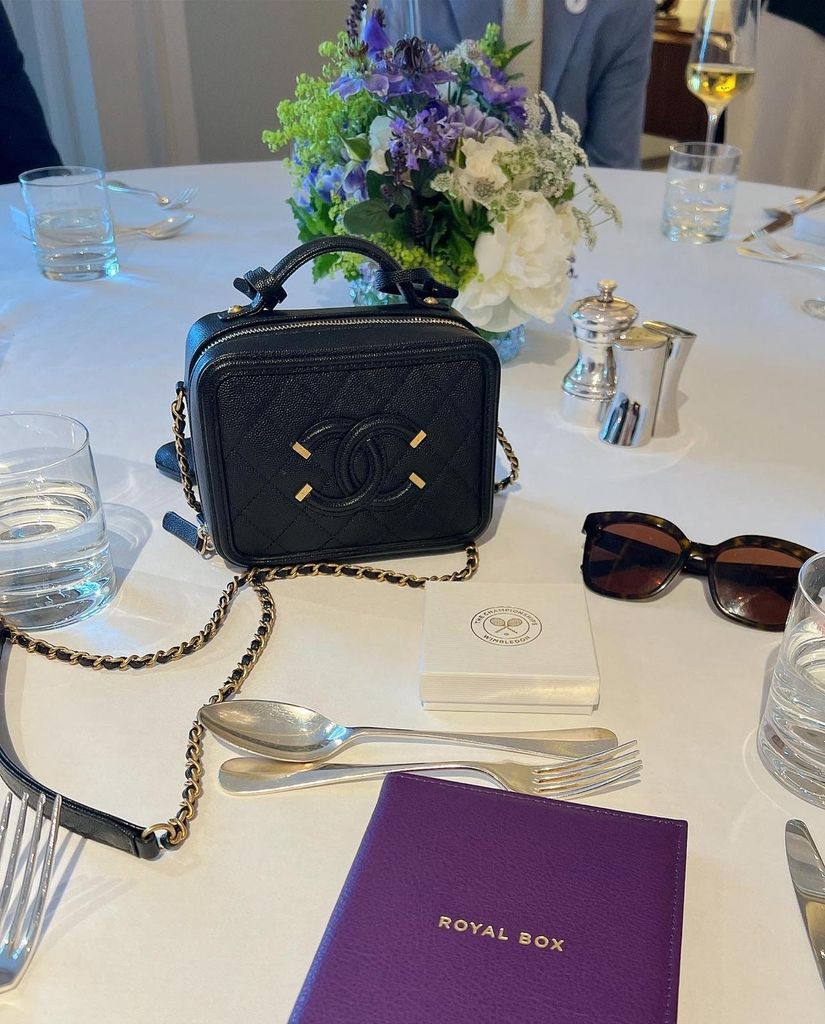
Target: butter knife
x=785, y=218
x=808, y=877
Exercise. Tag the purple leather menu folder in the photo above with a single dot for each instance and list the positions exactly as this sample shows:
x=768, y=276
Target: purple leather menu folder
x=468, y=905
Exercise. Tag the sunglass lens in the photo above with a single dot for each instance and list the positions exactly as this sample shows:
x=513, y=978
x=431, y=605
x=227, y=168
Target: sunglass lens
x=631, y=559
x=756, y=584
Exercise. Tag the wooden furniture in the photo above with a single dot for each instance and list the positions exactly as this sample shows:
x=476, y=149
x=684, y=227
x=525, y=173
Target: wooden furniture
x=672, y=111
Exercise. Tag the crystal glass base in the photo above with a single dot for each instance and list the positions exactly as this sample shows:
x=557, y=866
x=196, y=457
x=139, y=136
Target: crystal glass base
x=803, y=778
x=71, y=267
x=43, y=600
x=508, y=344
x=363, y=292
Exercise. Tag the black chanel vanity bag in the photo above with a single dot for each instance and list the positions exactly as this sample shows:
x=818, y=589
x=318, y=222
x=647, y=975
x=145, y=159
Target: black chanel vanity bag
x=325, y=435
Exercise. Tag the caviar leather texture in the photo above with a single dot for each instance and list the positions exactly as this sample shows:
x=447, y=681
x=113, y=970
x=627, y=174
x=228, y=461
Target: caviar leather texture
x=477, y=906
x=353, y=389
x=76, y=817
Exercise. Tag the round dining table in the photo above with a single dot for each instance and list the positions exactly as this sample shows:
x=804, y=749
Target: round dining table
x=224, y=928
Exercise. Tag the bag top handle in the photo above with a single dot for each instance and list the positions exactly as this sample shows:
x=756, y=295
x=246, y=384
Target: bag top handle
x=266, y=287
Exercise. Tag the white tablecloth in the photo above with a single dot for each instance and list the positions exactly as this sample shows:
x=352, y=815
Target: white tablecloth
x=224, y=928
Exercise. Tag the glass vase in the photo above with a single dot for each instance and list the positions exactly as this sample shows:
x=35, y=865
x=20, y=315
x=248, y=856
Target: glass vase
x=363, y=292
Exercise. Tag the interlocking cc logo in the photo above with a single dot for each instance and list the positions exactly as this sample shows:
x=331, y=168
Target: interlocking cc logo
x=361, y=468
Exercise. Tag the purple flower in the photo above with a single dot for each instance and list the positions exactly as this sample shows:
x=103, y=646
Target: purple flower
x=498, y=92
x=374, y=36
x=417, y=64
x=354, y=183
x=427, y=138
x=325, y=182
x=351, y=82
x=470, y=122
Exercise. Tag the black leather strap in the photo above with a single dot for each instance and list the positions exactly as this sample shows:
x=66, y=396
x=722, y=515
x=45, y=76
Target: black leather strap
x=426, y=286
x=266, y=288
x=86, y=821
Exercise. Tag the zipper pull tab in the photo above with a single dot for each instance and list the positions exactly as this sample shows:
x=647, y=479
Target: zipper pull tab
x=196, y=537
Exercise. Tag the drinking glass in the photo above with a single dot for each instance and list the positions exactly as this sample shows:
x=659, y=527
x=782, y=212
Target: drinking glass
x=70, y=222
x=55, y=565
x=722, y=59
x=791, y=736
x=701, y=181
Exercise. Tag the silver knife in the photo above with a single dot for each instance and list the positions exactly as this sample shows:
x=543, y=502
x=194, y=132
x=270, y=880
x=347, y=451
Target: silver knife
x=808, y=877
x=786, y=217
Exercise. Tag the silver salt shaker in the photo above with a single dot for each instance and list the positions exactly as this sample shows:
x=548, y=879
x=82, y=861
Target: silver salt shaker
x=591, y=383
x=679, y=345
x=640, y=355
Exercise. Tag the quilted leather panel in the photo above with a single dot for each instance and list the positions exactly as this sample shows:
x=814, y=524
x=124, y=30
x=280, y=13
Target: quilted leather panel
x=356, y=413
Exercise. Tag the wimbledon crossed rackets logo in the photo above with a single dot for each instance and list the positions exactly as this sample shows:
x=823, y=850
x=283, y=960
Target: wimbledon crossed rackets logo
x=361, y=467
x=506, y=626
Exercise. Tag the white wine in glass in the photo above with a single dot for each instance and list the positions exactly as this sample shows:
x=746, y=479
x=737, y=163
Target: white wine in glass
x=722, y=59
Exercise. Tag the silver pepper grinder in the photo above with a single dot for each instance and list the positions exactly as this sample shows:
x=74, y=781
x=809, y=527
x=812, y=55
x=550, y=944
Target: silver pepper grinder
x=679, y=345
x=590, y=385
x=640, y=355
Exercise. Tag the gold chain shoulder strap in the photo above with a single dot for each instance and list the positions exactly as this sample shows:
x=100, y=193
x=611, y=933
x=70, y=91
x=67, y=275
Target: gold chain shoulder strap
x=173, y=831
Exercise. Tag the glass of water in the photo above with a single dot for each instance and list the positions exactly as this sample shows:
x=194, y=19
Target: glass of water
x=792, y=732
x=701, y=180
x=70, y=222
x=55, y=565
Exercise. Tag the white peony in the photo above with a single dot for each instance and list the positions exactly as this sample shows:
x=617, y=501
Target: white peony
x=379, y=144
x=522, y=267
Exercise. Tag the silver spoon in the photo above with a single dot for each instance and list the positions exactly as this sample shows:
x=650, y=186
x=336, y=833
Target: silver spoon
x=166, y=228
x=289, y=732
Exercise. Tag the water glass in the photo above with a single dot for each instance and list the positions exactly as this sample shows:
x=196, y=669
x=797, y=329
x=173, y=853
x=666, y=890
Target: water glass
x=55, y=565
x=701, y=180
x=70, y=222
x=791, y=735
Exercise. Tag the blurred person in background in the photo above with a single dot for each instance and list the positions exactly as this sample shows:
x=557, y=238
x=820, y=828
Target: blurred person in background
x=780, y=125
x=24, y=138
x=591, y=57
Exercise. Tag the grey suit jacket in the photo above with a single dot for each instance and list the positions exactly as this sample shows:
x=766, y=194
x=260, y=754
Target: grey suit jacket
x=594, y=64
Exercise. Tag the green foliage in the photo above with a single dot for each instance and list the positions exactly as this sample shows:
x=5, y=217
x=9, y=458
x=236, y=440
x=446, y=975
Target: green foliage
x=320, y=126
x=492, y=45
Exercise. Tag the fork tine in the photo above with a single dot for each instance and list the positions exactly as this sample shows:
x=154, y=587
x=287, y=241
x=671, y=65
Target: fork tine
x=593, y=772
x=572, y=769
x=13, y=932
x=182, y=199
x=590, y=759
x=608, y=778
x=575, y=764
x=772, y=245
x=36, y=918
x=5, y=894
x=4, y=822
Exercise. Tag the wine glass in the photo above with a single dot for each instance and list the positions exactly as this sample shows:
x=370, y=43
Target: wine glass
x=722, y=58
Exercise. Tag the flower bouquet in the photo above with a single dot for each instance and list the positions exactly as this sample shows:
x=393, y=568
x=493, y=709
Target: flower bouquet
x=445, y=161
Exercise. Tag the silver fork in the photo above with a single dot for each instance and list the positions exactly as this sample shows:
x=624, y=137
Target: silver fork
x=21, y=918
x=182, y=199
x=571, y=778
x=777, y=249
x=794, y=260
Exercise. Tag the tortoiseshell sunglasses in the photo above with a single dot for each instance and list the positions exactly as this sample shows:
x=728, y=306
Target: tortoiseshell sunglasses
x=633, y=556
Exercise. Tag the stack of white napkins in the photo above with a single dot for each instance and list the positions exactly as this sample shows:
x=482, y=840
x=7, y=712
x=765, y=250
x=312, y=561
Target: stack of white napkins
x=508, y=647
x=810, y=226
